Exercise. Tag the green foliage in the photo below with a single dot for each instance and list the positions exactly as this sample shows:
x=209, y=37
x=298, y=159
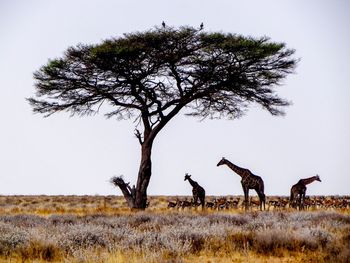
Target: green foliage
x=53, y=66
x=163, y=70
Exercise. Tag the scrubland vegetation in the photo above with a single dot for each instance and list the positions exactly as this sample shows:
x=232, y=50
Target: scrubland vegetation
x=102, y=229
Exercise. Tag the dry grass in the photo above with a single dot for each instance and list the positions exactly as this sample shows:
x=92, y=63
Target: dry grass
x=102, y=229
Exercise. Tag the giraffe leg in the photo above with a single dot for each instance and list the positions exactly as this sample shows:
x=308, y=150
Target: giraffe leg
x=203, y=202
x=262, y=200
x=297, y=203
x=261, y=196
x=195, y=200
x=293, y=203
x=302, y=203
x=246, y=198
x=292, y=199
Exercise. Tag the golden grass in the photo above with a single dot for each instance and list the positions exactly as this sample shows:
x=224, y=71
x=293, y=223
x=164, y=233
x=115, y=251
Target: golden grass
x=89, y=205
x=241, y=246
x=247, y=257
x=121, y=257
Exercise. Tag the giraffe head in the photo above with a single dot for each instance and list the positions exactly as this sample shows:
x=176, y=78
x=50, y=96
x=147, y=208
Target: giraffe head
x=222, y=161
x=317, y=178
x=187, y=176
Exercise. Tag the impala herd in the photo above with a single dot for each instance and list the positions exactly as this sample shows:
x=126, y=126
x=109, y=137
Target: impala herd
x=274, y=203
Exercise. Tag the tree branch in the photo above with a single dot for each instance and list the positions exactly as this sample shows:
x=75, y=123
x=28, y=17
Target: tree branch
x=138, y=136
x=124, y=187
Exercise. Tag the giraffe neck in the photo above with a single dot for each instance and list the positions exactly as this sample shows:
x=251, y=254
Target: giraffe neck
x=238, y=170
x=193, y=183
x=308, y=180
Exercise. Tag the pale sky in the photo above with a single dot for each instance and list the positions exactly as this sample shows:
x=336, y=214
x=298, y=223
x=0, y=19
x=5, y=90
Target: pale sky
x=64, y=155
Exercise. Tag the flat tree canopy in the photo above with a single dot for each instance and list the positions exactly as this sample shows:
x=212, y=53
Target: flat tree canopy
x=150, y=76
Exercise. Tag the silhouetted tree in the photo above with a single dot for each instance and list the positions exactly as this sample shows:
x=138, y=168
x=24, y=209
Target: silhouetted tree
x=151, y=76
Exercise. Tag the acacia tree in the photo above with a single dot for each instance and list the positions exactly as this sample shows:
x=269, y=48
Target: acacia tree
x=151, y=76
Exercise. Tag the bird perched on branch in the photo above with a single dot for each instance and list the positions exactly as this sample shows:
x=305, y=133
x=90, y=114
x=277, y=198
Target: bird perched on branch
x=201, y=26
x=163, y=24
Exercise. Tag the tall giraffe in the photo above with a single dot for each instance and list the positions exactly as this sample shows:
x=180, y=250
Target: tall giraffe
x=298, y=191
x=249, y=181
x=197, y=191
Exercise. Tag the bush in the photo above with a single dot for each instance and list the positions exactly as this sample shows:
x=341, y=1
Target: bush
x=175, y=235
x=13, y=241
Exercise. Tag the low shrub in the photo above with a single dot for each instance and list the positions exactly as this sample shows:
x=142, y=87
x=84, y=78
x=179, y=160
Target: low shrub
x=175, y=235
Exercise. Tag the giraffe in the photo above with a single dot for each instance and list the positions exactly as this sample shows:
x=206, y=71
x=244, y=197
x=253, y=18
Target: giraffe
x=297, y=192
x=249, y=181
x=197, y=191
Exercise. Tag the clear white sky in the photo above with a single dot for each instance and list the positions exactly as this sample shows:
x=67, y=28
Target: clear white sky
x=63, y=155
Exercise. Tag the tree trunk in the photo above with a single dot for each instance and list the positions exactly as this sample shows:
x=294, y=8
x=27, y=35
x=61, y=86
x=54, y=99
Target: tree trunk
x=137, y=198
x=144, y=176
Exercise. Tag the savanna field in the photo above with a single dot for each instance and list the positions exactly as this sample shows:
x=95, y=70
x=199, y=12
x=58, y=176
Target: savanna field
x=103, y=229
